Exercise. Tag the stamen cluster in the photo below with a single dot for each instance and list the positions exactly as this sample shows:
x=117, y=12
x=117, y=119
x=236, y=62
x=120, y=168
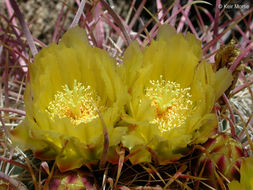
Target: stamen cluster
x=172, y=103
x=77, y=104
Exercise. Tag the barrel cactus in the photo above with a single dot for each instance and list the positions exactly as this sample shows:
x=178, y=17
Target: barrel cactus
x=221, y=160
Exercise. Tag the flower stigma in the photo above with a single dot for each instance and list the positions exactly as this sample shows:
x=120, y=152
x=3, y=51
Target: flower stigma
x=171, y=102
x=78, y=104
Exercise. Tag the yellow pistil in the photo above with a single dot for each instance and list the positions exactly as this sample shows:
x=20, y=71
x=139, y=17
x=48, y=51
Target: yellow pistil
x=78, y=104
x=172, y=103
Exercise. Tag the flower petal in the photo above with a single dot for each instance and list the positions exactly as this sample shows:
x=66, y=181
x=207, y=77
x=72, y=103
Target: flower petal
x=223, y=79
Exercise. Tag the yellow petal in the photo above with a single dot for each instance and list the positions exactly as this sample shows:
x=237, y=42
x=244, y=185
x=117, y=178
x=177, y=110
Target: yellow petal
x=132, y=140
x=235, y=185
x=205, y=127
x=139, y=154
x=172, y=58
x=166, y=32
x=223, y=80
x=72, y=155
x=74, y=37
x=116, y=135
x=132, y=63
x=203, y=92
x=195, y=44
x=246, y=172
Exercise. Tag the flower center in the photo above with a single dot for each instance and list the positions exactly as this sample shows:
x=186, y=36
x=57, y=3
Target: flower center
x=172, y=103
x=78, y=104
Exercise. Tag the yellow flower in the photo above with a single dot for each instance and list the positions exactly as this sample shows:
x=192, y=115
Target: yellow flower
x=172, y=93
x=69, y=83
x=246, y=180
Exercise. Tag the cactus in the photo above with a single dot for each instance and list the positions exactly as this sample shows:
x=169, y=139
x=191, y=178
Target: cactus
x=71, y=181
x=220, y=161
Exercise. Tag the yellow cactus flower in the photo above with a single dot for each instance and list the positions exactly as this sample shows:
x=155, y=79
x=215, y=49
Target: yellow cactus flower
x=70, y=83
x=172, y=93
x=246, y=179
